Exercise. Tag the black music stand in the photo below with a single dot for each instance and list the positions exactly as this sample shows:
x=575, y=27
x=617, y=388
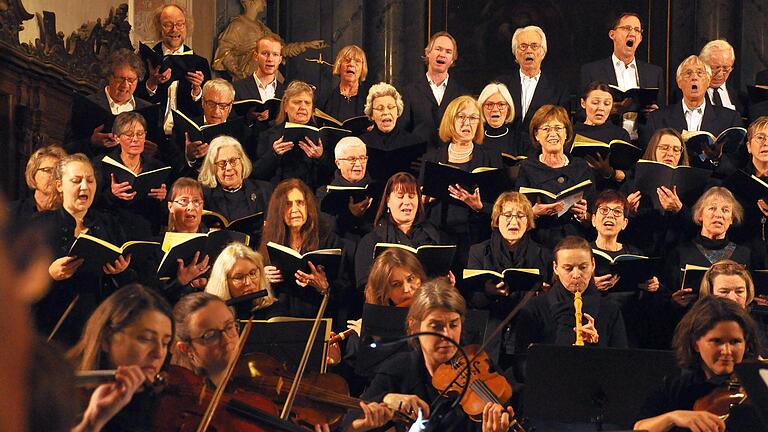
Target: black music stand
x=284, y=339
x=754, y=378
x=592, y=385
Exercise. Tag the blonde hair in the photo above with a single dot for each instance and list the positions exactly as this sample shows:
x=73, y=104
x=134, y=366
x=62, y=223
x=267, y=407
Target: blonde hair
x=448, y=125
x=490, y=90
x=180, y=185
x=435, y=294
x=717, y=192
x=33, y=164
x=207, y=176
x=516, y=199
x=353, y=52
x=726, y=267
x=57, y=199
x=759, y=123
x=217, y=282
x=380, y=90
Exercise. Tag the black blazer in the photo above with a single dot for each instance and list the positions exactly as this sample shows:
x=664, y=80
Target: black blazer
x=246, y=89
x=716, y=119
x=73, y=143
x=736, y=98
x=548, y=91
x=602, y=70
x=184, y=101
x=422, y=114
x=762, y=77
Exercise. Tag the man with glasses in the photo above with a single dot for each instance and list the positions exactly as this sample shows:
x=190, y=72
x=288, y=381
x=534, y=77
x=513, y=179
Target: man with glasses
x=720, y=57
x=123, y=71
x=624, y=70
x=693, y=113
x=183, y=94
x=529, y=86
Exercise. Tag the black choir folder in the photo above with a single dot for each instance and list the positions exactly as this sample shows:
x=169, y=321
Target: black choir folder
x=87, y=115
x=356, y=125
x=704, y=147
x=747, y=186
x=284, y=339
x=246, y=224
x=511, y=160
x=295, y=132
x=515, y=279
x=642, y=98
x=336, y=199
x=96, y=252
x=436, y=259
x=140, y=183
x=620, y=154
x=288, y=261
x=633, y=269
x=205, y=133
x=247, y=106
x=383, y=163
x=438, y=176
x=690, y=181
x=179, y=63
x=692, y=277
x=184, y=246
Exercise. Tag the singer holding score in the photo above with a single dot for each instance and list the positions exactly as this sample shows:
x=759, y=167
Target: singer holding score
x=404, y=382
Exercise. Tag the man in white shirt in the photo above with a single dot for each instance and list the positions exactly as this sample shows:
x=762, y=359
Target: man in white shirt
x=263, y=84
x=181, y=92
x=720, y=57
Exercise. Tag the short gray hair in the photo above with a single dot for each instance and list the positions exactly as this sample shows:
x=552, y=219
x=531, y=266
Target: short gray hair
x=380, y=90
x=538, y=31
x=696, y=60
x=716, y=45
x=490, y=90
x=345, y=144
x=207, y=176
x=219, y=85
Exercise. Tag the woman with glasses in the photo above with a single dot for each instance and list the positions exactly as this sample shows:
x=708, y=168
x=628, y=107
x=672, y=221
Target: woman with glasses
x=227, y=188
x=384, y=106
x=465, y=215
x=498, y=114
x=306, y=160
x=131, y=331
x=74, y=284
x=356, y=219
x=510, y=246
x=130, y=132
x=239, y=271
x=39, y=178
x=348, y=99
x=597, y=102
x=554, y=172
x=610, y=217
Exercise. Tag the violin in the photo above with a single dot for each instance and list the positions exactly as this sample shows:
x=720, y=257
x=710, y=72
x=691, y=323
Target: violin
x=484, y=385
x=321, y=398
x=720, y=400
x=184, y=398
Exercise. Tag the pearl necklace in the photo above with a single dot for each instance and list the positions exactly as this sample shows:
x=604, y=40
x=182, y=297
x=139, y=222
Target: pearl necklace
x=456, y=155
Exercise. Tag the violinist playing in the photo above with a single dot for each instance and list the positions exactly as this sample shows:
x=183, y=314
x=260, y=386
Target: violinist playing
x=404, y=382
x=130, y=331
x=714, y=336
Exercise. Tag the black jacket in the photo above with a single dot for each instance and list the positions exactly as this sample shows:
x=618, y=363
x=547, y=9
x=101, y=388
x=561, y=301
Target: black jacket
x=293, y=164
x=422, y=114
x=715, y=120
x=649, y=76
x=339, y=107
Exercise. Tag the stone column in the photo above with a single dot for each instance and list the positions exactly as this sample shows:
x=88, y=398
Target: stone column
x=393, y=40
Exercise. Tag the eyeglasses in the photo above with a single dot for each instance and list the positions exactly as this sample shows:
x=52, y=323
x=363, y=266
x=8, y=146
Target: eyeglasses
x=525, y=46
x=717, y=69
x=353, y=160
x=473, y=119
x=222, y=164
x=167, y=26
x=184, y=202
x=492, y=105
x=548, y=129
x=615, y=212
x=240, y=278
x=47, y=170
x=211, y=105
x=135, y=135
x=130, y=81
x=213, y=336
x=382, y=108
x=689, y=73
x=510, y=216
x=630, y=29
x=666, y=148
x=760, y=138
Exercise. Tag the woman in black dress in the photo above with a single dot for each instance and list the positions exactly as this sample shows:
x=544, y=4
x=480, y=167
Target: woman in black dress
x=39, y=177
x=347, y=100
x=554, y=172
x=498, y=113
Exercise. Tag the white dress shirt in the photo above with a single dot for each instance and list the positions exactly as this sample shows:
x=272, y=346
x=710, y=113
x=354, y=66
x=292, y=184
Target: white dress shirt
x=627, y=78
x=266, y=91
x=438, y=90
x=528, y=88
x=723, y=96
x=172, y=98
x=693, y=116
x=117, y=108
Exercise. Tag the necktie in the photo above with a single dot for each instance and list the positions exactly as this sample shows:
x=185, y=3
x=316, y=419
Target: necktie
x=716, y=99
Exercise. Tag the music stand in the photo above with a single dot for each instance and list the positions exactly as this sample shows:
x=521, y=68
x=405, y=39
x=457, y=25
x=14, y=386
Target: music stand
x=754, y=378
x=285, y=338
x=592, y=385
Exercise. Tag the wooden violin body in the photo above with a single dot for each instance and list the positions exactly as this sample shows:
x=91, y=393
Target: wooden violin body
x=720, y=400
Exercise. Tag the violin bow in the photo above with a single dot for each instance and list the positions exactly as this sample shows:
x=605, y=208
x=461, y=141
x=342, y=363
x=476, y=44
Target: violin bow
x=304, y=358
x=211, y=410
x=63, y=318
